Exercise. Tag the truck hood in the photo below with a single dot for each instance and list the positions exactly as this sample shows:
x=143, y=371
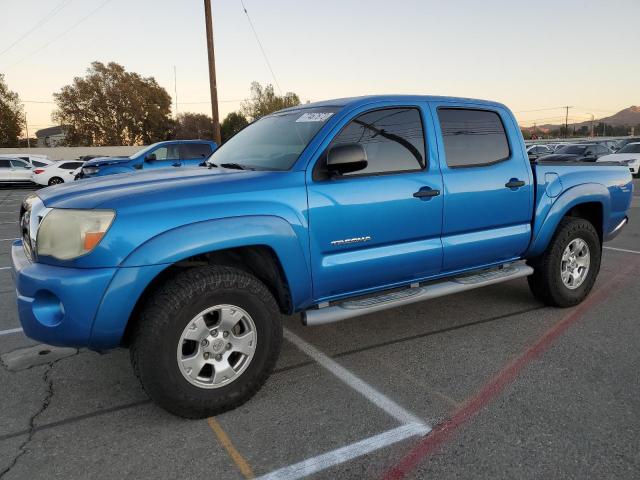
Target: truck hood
x=100, y=161
x=126, y=189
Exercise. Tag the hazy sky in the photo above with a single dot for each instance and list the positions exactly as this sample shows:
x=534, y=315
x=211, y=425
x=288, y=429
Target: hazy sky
x=529, y=55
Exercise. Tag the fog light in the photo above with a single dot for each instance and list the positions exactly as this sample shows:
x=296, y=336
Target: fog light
x=47, y=308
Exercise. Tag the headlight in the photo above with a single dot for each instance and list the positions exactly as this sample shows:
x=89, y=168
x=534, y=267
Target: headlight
x=67, y=234
x=90, y=170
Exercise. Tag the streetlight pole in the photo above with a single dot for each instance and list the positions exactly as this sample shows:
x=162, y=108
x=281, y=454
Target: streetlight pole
x=212, y=72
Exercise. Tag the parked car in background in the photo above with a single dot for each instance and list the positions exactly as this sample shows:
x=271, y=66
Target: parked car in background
x=609, y=144
x=622, y=143
x=59, y=172
x=305, y=211
x=629, y=154
x=175, y=153
x=536, y=151
x=14, y=170
x=577, y=152
x=33, y=159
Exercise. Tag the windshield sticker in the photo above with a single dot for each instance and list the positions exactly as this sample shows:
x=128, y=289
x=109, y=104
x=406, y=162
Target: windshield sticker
x=314, y=117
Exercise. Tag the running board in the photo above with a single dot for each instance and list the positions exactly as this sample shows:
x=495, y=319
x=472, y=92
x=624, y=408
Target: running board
x=364, y=306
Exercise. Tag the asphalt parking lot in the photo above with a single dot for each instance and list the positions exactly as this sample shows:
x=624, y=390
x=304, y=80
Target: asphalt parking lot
x=485, y=384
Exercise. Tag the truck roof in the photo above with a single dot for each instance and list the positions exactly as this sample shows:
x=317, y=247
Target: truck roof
x=356, y=101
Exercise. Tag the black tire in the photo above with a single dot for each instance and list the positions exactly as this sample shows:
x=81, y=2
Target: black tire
x=158, y=330
x=55, y=181
x=546, y=283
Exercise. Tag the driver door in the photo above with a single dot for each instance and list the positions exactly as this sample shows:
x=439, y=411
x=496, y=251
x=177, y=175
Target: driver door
x=165, y=156
x=375, y=228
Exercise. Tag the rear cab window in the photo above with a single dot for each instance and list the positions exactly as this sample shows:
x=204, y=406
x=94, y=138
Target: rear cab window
x=472, y=137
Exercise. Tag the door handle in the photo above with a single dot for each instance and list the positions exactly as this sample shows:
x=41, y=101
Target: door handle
x=177, y=164
x=514, y=183
x=426, y=193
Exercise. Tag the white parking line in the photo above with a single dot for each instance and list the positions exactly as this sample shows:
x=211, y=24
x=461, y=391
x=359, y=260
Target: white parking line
x=9, y=239
x=10, y=331
x=622, y=250
x=344, y=454
x=6, y=268
x=359, y=385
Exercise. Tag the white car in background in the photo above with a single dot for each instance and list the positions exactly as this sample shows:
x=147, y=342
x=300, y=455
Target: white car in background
x=58, y=172
x=630, y=153
x=34, y=159
x=14, y=170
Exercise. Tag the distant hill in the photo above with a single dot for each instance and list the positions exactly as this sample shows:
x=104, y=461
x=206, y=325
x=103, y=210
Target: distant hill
x=627, y=117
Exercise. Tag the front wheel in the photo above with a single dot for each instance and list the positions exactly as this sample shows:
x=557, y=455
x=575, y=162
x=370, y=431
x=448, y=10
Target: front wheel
x=565, y=273
x=206, y=341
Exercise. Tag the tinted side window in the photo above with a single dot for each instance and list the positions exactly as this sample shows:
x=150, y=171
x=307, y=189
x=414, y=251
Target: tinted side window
x=19, y=164
x=167, y=153
x=71, y=165
x=472, y=137
x=195, y=150
x=393, y=140
x=4, y=164
x=38, y=164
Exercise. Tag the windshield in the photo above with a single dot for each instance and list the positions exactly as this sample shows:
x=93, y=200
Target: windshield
x=142, y=153
x=630, y=148
x=572, y=149
x=274, y=142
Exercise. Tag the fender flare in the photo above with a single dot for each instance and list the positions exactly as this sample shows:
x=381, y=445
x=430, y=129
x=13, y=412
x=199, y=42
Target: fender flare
x=556, y=210
x=202, y=237
x=150, y=259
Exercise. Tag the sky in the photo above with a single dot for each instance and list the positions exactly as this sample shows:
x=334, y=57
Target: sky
x=533, y=56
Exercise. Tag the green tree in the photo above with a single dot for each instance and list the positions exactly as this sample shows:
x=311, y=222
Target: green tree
x=110, y=106
x=11, y=116
x=190, y=126
x=232, y=124
x=264, y=101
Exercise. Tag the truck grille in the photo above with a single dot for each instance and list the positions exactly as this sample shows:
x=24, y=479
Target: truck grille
x=32, y=212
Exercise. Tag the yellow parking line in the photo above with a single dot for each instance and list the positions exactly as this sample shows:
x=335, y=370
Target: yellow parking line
x=225, y=441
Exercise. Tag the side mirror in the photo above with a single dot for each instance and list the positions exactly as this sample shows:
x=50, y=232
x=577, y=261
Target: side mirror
x=347, y=158
x=150, y=158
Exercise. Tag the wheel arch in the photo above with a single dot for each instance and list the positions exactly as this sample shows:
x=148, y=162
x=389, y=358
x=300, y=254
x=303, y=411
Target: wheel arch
x=591, y=202
x=267, y=247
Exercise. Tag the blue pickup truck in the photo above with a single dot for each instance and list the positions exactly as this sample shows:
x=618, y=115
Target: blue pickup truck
x=332, y=210
x=173, y=153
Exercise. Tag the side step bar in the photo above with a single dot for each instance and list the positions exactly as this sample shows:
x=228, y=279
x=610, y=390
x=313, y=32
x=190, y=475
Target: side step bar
x=364, y=306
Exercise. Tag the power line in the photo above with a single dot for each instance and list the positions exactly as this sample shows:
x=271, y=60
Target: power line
x=52, y=13
x=60, y=35
x=264, y=54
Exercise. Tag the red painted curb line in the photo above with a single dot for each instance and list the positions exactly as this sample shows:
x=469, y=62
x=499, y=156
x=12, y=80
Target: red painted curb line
x=497, y=384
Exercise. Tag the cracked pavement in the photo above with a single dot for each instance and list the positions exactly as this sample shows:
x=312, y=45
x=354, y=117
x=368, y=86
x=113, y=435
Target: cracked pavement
x=572, y=413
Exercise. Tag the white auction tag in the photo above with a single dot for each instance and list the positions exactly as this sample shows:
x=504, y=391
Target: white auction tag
x=314, y=117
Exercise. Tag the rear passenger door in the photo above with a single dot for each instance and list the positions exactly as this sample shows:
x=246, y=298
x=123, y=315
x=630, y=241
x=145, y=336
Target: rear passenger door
x=488, y=200
x=193, y=154
x=20, y=170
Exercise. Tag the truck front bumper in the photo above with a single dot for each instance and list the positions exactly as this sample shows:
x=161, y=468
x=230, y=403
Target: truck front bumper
x=57, y=305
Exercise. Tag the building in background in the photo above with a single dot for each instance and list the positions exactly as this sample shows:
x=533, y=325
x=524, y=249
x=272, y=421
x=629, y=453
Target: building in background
x=50, y=137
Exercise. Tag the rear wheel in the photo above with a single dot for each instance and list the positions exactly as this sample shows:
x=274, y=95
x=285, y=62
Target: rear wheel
x=206, y=341
x=55, y=181
x=565, y=273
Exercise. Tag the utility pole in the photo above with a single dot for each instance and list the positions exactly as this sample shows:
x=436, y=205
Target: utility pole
x=175, y=89
x=566, y=121
x=26, y=126
x=212, y=72
x=592, y=126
